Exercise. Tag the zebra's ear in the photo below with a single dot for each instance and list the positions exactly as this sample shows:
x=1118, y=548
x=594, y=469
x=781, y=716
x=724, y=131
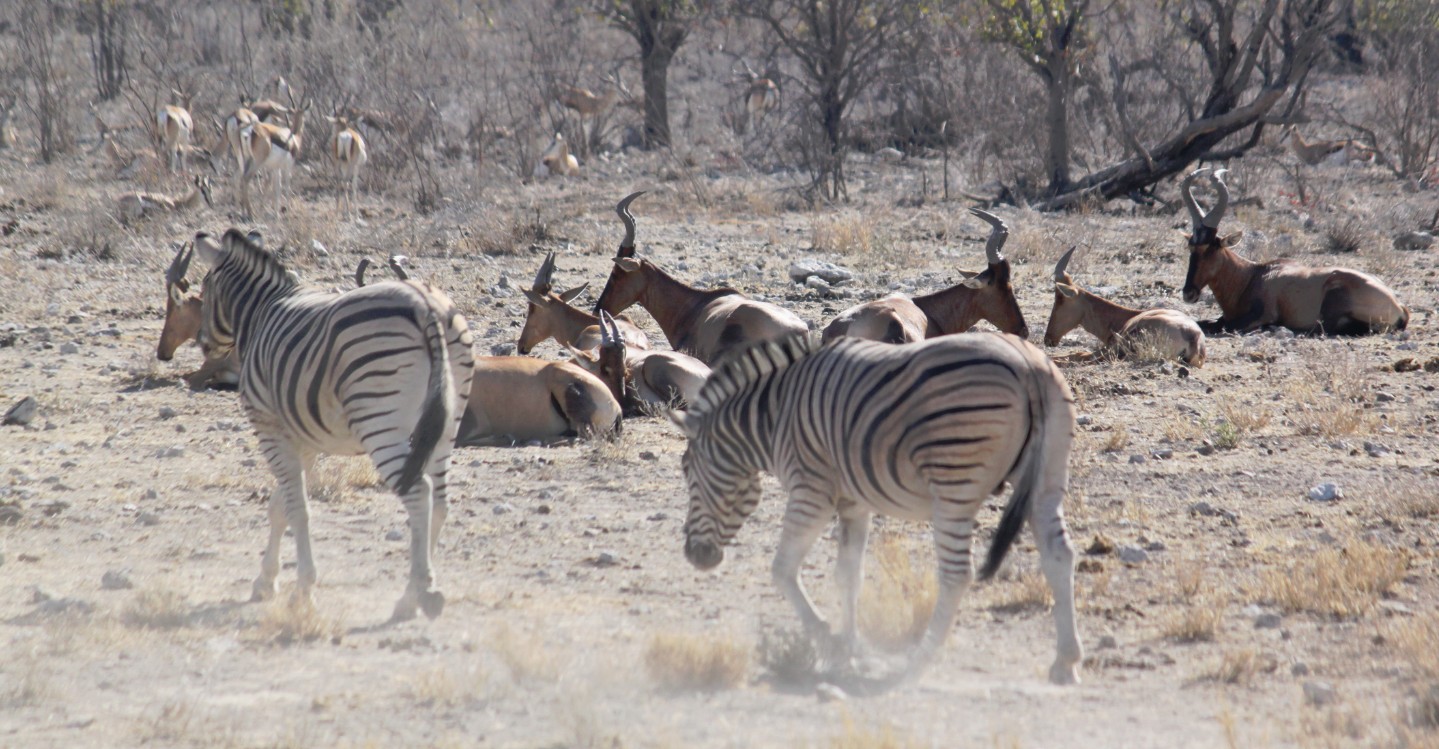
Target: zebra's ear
x=210, y=249
x=680, y=419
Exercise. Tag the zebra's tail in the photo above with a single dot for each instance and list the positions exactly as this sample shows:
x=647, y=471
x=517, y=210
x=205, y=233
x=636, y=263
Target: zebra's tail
x=1028, y=473
x=435, y=413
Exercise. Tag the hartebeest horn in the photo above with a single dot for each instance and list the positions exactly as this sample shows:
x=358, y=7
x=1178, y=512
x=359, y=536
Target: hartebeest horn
x=997, y=236
x=180, y=265
x=1062, y=265
x=1186, y=191
x=360, y=272
x=610, y=330
x=397, y=265
x=545, y=278
x=627, y=247
x=1211, y=220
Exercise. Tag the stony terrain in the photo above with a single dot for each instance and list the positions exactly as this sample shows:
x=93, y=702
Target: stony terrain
x=1219, y=604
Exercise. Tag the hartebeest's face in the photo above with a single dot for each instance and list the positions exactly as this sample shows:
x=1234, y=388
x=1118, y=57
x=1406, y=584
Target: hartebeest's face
x=543, y=318
x=1205, y=247
x=625, y=286
x=994, y=298
x=182, y=318
x=1068, y=310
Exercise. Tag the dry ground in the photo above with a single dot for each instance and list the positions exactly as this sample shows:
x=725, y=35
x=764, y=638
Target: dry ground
x=573, y=619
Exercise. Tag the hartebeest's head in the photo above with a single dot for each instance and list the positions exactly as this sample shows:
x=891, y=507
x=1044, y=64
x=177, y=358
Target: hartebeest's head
x=609, y=361
x=182, y=306
x=1205, y=244
x=1069, y=305
x=993, y=294
x=627, y=280
x=543, y=318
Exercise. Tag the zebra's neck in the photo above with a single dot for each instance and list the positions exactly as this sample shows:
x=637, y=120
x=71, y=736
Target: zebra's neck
x=257, y=304
x=753, y=415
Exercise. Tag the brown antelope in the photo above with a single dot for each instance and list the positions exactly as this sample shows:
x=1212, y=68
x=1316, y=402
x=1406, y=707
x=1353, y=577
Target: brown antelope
x=519, y=399
x=761, y=95
x=1326, y=301
x=129, y=163
x=1169, y=333
x=557, y=161
x=1345, y=151
x=641, y=379
x=133, y=206
x=173, y=125
x=708, y=323
x=980, y=296
x=270, y=149
x=348, y=150
x=182, y=324
x=551, y=316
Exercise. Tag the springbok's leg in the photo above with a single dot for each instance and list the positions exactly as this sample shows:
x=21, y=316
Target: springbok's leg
x=800, y=529
x=288, y=507
x=849, y=574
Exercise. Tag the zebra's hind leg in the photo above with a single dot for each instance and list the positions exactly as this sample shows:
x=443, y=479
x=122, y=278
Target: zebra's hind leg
x=953, y=539
x=1056, y=558
x=289, y=506
x=849, y=574
x=420, y=593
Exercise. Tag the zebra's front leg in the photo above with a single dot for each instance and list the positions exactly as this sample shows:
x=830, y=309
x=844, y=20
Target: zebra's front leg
x=849, y=574
x=289, y=506
x=799, y=531
x=420, y=593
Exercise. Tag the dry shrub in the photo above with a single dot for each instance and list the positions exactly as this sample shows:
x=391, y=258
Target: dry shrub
x=850, y=233
x=1117, y=441
x=898, y=596
x=1341, y=583
x=507, y=233
x=528, y=660
x=1239, y=667
x=445, y=687
x=291, y=619
x=334, y=479
x=855, y=736
x=1346, y=238
x=696, y=663
x=1328, y=400
x=1197, y=621
x=1237, y=422
x=157, y=609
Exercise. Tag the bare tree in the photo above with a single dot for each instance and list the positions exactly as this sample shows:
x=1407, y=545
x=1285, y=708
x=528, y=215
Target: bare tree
x=47, y=101
x=109, y=29
x=842, y=47
x=659, y=27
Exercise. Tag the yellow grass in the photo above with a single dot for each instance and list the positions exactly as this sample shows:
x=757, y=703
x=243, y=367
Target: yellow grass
x=899, y=591
x=700, y=663
x=1342, y=583
x=290, y=619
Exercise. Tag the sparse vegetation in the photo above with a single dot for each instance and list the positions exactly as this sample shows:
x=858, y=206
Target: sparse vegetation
x=157, y=608
x=1026, y=592
x=701, y=663
x=899, y=592
x=291, y=619
x=1343, y=583
x=853, y=735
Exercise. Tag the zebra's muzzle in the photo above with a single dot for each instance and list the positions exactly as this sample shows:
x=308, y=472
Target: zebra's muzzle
x=704, y=555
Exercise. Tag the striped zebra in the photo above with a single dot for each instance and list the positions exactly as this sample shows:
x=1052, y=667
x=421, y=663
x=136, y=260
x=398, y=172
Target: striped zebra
x=383, y=370
x=922, y=431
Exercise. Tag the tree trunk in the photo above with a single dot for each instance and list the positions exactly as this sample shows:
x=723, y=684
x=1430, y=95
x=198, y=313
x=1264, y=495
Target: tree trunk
x=655, y=70
x=1057, y=83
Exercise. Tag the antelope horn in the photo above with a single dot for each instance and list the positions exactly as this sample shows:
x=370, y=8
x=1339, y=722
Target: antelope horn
x=181, y=264
x=997, y=236
x=360, y=271
x=544, y=279
x=397, y=265
x=627, y=247
x=1222, y=202
x=614, y=329
x=1059, y=268
x=1186, y=191
x=605, y=339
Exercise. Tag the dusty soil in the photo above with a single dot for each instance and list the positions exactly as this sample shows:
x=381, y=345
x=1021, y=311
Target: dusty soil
x=563, y=566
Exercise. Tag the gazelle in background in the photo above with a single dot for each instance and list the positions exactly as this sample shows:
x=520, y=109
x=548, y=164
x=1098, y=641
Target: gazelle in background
x=175, y=128
x=270, y=149
x=1344, y=151
x=761, y=96
x=557, y=161
x=347, y=148
x=136, y=205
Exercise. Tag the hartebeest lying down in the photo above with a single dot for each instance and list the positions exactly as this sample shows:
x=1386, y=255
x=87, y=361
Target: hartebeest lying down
x=1326, y=301
x=182, y=323
x=550, y=315
x=707, y=323
x=518, y=399
x=1120, y=329
x=642, y=378
x=980, y=296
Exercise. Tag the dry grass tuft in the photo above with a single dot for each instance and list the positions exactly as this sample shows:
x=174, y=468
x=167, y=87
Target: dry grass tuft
x=447, y=687
x=1029, y=591
x=1197, y=621
x=1344, y=239
x=848, y=233
x=24, y=683
x=1341, y=583
x=696, y=663
x=1414, y=639
x=1239, y=667
x=500, y=233
x=1117, y=441
x=855, y=736
x=291, y=619
x=1237, y=422
x=1329, y=400
x=334, y=479
x=157, y=609
x=898, y=596
x=527, y=658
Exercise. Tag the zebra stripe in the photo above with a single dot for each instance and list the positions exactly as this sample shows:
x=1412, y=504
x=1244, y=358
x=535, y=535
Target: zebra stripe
x=923, y=431
x=383, y=370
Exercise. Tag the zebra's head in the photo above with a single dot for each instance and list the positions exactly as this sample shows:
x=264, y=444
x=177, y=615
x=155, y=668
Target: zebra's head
x=239, y=267
x=722, y=495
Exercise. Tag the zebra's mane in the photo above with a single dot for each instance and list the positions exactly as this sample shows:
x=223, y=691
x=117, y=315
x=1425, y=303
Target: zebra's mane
x=255, y=254
x=747, y=366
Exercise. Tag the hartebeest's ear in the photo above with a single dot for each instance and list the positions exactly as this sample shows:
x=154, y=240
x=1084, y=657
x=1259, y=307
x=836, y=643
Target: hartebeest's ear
x=177, y=293
x=1231, y=239
x=588, y=356
x=972, y=283
x=627, y=264
x=535, y=297
x=569, y=296
x=1066, y=290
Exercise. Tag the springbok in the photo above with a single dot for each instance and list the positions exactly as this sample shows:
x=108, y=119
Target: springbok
x=1326, y=301
x=708, y=323
x=519, y=399
x=270, y=149
x=550, y=315
x=1169, y=333
x=182, y=324
x=347, y=148
x=1345, y=151
x=557, y=161
x=980, y=296
x=133, y=206
x=173, y=125
x=761, y=95
x=641, y=379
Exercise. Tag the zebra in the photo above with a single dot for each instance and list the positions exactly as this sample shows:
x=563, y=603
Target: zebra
x=922, y=431
x=383, y=370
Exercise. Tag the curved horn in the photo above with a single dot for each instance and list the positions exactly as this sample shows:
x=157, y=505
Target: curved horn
x=1059, y=268
x=1186, y=191
x=997, y=236
x=544, y=279
x=397, y=266
x=627, y=247
x=615, y=330
x=605, y=338
x=1222, y=202
x=180, y=265
x=360, y=271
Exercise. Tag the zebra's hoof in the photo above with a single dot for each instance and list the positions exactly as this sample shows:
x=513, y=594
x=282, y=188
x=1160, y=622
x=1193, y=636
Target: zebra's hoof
x=1063, y=675
x=263, y=590
x=432, y=602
